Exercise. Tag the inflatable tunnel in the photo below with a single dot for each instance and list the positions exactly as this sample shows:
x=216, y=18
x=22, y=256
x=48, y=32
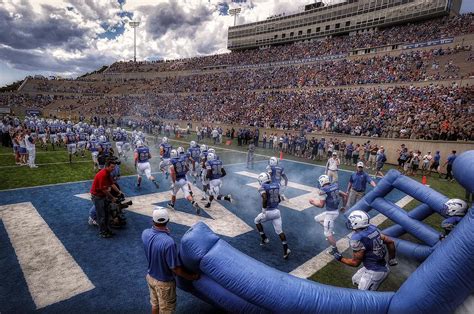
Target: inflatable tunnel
x=238, y=283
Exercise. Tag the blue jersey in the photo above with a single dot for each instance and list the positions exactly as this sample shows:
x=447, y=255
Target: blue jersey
x=71, y=138
x=124, y=137
x=94, y=145
x=194, y=153
x=276, y=173
x=82, y=137
x=53, y=129
x=216, y=168
x=330, y=192
x=370, y=240
x=180, y=168
x=272, y=191
x=41, y=129
x=166, y=149
x=143, y=154
x=106, y=146
x=118, y=137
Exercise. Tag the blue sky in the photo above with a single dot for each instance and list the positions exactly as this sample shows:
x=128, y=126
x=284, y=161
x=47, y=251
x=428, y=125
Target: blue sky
x=71, y=37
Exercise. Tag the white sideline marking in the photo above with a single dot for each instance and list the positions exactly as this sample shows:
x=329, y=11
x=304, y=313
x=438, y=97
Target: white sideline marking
x=51, y=273
x=222, y=222
x=47, y=164
x=298, y=203
x=322, y=259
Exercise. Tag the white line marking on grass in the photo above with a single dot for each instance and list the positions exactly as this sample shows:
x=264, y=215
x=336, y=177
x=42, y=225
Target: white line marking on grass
x=47, y=164
x=322, y=259
x=51, y=273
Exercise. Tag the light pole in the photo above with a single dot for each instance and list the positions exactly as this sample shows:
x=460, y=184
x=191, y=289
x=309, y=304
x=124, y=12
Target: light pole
x=234, y=13
x=134, y=25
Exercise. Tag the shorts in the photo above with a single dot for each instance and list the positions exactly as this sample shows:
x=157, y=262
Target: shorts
x=272, y=215
x=144, y=168
x=81, y=145
x=366, y=279
x=71, y=148
x=414, y=167
x=434, y=165
x=181, y=184
x=401, y=162
x=379, y=167
x=162, y=294
x=22, y=150
x=215, y=186
x=328, y=219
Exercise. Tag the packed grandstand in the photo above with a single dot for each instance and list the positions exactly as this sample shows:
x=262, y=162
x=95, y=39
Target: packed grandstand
x=317, y=86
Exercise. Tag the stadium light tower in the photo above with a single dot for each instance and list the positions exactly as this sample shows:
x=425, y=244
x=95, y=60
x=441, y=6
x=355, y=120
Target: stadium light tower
x=234, y=13
x=134, y=25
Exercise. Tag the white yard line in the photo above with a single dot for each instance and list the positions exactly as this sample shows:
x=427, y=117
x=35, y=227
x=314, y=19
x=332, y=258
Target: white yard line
x=322, y=259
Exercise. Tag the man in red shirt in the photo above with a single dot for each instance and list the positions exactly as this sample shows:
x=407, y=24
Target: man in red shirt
x=101, y=197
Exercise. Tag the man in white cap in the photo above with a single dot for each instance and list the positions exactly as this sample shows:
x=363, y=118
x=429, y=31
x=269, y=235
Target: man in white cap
x=163, y=263
x=357, y=185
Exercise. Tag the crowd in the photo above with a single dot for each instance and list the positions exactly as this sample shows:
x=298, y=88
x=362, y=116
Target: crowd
x=409, y=33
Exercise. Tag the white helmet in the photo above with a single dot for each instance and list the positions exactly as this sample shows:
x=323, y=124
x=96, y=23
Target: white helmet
x=455, y=207
x=92, y=137
x=273, y=161
x=164, y=140
x=203, y=147
x=323, y=180
x=123, y=130
x=139, y=143
x=81, y=130
x=117, y=129
x=180, y=150
x=211, y=156
x=263, y=177
x=68, y=130
x=140, y=133
x=160, y=215
x=174, y=153
x=358, y=219
x=211, y=150
x=102, y=138
x=193, y=144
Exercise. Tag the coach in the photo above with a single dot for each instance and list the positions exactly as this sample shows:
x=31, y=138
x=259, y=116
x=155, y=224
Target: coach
x=101, y=196
x=163, y=263
x=357, y=184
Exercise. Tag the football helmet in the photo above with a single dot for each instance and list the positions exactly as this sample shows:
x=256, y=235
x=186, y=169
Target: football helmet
x=323, y=180
x=164, y=140
x=263, y=177
x=193, y=144
x=211, y=156
x=92, y=137
x=455, y=207
x=358, y=219
x=203, y=147
x=180, y=150
x=139, y=144
x=174, y=153
x=102, y=138
x=273, y=161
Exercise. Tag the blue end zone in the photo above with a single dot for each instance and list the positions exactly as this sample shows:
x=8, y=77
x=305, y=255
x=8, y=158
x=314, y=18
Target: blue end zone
x=117, y=267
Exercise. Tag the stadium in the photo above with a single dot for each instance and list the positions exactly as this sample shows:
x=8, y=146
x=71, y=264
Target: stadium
x=320, y=161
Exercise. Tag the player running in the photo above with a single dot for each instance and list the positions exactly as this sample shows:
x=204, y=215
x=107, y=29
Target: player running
x=214, y=172
x=277, y=173
x=142, y=164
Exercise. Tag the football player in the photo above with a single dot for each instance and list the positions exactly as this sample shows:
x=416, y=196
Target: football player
x=329, y=196
x=270, y=193
x=82, y=140
x=456, y=209
x=71, y=140
x=194, y=152
x=178, y=168
x=126, y=147
x=277, y=173
x=42, y=132
x=53, y=130
x=204, y=178
x=142, y=155
x=93, y=146
x=368, y=247
x=214, y=172
x=165, y=150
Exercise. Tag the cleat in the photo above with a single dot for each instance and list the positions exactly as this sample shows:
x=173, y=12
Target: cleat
x=283, y=197
x=197, y=208
x=264, y=241
x=285, y=256
x=208, y=205
x=332, y=251
x=229, y=197
x=156, y=184
x=171, y=206
x=92, y=222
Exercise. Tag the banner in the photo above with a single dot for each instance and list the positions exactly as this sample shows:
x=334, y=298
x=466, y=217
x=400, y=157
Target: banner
x=4, y=110
x=435, y=42
x=33, y=112
x=300, y=61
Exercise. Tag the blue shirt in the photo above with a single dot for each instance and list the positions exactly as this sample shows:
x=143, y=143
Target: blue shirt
x=94, y=145
x=143, y=154
x=370, y=240
x=359, y=180
x=180, y=168
x=330, y=193
x=166, y=148
x=451, y=159
x=161, y=253
x=276, y=173
x=194, y=152
x=272, y=191
x=436, y=158
x=216, y=168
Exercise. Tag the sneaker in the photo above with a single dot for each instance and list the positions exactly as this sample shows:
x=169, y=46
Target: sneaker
x=264, y=241
x=333, y=251
x=230, y=199
x=171, y=206
x=197, y=208
x=92, y=222
x=106, y=235
x=285, y=256
x=283, y=197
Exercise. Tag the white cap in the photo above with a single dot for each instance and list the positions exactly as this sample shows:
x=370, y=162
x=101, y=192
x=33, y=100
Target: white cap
x=160, y=215
x=360, y=164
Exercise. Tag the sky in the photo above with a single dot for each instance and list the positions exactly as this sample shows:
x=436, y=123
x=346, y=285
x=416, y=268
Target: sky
x=68, y=38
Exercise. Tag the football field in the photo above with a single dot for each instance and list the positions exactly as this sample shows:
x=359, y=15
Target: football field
x=55, y=261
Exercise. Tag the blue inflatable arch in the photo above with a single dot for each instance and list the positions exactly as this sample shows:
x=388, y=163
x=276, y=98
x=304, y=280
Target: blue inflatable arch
x=236, y=282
